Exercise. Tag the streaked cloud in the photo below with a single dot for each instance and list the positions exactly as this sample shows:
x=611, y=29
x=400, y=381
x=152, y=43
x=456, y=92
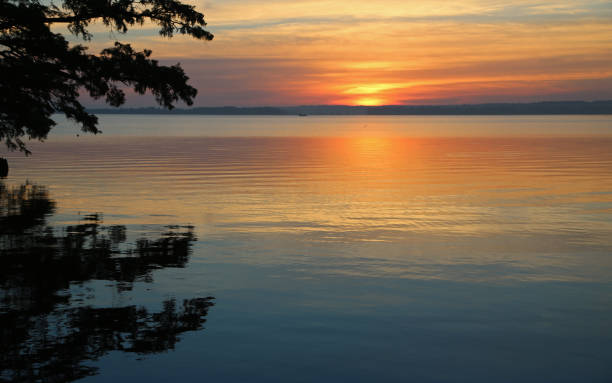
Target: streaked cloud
x=317, y=52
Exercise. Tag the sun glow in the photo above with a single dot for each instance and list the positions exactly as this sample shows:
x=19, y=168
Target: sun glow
x=307, y=52
x=373, y=88
x=373, y=94
x=369, y=101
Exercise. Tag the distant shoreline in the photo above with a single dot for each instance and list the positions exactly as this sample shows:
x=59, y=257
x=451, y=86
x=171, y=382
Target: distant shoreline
x=497, y=109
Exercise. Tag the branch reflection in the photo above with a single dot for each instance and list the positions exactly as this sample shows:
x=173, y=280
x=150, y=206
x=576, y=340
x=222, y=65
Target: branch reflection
x=44, y=336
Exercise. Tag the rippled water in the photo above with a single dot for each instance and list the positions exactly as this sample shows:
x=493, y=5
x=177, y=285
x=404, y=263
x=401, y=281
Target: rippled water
x=341, y=248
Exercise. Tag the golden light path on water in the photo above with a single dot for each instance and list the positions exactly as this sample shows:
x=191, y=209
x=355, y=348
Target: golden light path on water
x=411, y=206
x=337, y=249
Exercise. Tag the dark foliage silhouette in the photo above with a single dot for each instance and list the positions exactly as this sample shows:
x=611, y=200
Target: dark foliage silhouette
x=40, y=73
x=4, y=168
x=44, y=337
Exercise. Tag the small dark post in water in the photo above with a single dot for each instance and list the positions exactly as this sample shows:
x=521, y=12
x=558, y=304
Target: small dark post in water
x=3, y=167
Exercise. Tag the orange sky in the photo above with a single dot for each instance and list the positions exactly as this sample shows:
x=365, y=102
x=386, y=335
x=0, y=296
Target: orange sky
x=279, y=52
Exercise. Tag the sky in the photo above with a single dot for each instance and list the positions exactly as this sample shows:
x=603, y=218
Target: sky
x=354, y=52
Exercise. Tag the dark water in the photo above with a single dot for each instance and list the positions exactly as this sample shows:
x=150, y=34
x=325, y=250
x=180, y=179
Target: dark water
x=383, y=249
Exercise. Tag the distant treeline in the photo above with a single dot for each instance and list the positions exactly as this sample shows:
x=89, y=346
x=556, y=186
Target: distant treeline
x=549, y=107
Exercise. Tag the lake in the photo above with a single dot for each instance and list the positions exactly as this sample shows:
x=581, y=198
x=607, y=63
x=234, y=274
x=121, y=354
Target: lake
x=312, y=249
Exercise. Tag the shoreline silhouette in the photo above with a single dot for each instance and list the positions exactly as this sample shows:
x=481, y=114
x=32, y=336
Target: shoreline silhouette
x=502, y=109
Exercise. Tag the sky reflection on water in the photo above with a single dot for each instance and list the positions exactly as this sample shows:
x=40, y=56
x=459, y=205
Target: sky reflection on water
x=359, y=258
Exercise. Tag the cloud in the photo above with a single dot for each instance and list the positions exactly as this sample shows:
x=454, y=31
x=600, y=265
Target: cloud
x=393, y=51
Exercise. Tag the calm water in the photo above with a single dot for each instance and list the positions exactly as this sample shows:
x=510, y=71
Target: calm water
x=276, y=249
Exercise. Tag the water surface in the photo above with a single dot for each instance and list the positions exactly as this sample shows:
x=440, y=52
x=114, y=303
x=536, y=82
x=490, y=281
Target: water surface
x=336, y=249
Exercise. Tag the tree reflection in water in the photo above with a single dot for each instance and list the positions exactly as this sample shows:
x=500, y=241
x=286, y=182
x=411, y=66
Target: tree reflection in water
x=43, y=338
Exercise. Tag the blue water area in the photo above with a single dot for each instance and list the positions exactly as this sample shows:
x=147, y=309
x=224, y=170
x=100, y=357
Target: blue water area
x=231, y=249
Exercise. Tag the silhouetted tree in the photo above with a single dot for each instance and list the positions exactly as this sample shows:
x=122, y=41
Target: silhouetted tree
x=40, y=73
x=4, y=168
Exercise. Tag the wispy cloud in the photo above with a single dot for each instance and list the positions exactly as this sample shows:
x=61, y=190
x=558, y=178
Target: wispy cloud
x=394, y=51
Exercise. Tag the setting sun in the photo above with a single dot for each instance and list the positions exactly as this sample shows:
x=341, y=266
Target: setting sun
x=369, y=101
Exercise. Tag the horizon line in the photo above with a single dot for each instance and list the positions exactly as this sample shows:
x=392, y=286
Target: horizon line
x=600, y=107
x=351, y=106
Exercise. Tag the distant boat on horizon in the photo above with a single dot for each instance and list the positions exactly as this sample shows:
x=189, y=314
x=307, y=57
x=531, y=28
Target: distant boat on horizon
x=302, y=114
